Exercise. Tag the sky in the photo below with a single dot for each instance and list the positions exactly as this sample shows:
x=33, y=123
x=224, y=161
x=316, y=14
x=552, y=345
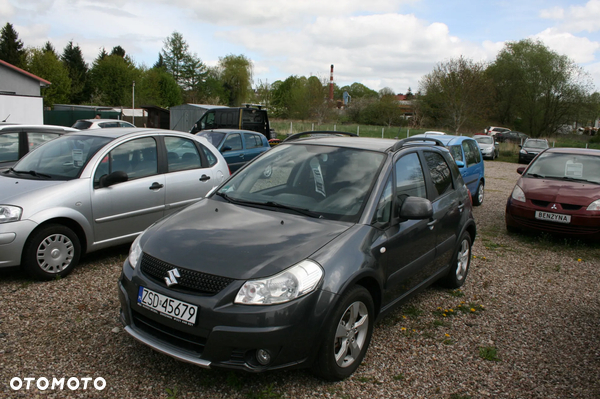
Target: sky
x=379, y=43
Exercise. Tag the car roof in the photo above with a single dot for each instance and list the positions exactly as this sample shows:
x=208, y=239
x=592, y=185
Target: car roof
x=447, y=139
x=228, y=131
x=364, y=143
x=101, y=120
x=49, y=128
x=117, y=132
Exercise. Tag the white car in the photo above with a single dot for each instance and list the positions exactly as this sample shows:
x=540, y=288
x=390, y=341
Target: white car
x=95, y=189
x=82, y=124
x=492, y=130
x=489, y=146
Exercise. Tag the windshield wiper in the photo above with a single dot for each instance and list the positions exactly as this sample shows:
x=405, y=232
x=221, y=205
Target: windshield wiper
x=568, y=178
x=271, y=204
x=536, y=175
x=302, y=211
x=30, y=172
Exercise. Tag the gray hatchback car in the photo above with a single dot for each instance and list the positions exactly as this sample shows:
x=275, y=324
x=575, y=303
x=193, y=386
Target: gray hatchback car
x=90, y=190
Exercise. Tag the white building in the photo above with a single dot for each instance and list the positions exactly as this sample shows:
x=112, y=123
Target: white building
x=20, y=99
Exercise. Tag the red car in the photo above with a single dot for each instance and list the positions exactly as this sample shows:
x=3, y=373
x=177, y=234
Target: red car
x=559, y=193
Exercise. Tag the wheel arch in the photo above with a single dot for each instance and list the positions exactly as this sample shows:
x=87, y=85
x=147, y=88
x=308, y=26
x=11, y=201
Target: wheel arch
x=71, y=224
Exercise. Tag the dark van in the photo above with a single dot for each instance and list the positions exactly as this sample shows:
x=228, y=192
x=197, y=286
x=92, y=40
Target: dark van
x=249, y=117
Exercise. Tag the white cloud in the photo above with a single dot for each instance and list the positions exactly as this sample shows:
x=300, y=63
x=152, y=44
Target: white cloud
x=6, y=9
x=579, y=49
x=576, y=18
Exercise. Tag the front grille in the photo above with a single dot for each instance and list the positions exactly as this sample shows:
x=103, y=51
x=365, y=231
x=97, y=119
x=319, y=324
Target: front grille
x=190, y=280
x=566, y=207
x=177, y=338
x=553, y=227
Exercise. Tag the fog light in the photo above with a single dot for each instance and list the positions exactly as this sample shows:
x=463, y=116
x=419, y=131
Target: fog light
x=263, y=357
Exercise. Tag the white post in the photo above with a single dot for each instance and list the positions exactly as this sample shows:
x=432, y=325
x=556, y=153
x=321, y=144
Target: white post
x=407, y=133
x=313, y=127
x=290, y=128
x=334, y=127
x=358, y=130
x=133, y=103
x=381, y=132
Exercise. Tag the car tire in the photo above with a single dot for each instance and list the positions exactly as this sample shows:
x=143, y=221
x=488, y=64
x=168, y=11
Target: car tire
x=51, y=252
x=347, y=336
x=461, y=261
x=479, y=195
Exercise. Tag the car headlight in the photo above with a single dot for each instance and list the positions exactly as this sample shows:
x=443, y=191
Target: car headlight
x=135, y=252
x=594, y=206
x=9, y=213
x=518, y=194
x=523, y=152
x=290, y=284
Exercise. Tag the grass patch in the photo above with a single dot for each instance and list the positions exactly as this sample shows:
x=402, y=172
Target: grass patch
x=413, y=312
x=489, y=353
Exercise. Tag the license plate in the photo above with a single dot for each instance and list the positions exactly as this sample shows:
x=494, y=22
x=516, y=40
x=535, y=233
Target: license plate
x=169, y=307
x=553, y=217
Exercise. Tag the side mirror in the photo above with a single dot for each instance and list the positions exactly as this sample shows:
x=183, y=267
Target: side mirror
x=416, y=208
x=115, y=177
x=226, y=148
x=460, y=164
x=520, y=170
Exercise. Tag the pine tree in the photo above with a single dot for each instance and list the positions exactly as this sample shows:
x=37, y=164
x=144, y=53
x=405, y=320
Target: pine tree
x=11, y=48
x=72, y=59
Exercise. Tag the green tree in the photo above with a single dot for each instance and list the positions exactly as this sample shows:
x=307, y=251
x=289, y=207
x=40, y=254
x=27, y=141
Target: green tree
x=236, y=75
x=455, y=92
x=72, y=58
x=112, y=77
x=187, y=69
x=11, y=47
x=358, y=90
x=537, y=90
x=49, y=47
x=158, y=87
x=118, y=50
x=46, y=64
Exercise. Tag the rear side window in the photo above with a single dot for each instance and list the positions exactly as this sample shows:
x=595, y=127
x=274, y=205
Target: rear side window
x=212, y=159
x=252, y=140
x=439, y=172
x=181, y=154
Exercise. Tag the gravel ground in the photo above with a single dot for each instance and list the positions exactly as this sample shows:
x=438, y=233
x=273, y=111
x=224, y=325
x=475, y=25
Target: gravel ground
x=525, y=325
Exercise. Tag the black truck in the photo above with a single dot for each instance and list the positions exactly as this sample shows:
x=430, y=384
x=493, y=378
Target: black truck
x=248, y=117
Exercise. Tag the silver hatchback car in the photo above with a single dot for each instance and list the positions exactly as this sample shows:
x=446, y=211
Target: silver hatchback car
x=90, y=190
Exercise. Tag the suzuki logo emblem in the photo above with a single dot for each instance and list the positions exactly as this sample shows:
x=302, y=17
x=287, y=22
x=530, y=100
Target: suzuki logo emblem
x=553, y=207
x=171, y=279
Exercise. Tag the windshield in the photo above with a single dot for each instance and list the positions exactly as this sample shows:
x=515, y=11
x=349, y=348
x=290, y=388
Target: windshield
x=214, y=138
x=321, y=181
x=62, y=158
x=536, y=144
x=81, y=125
x=567, y=167
x=484, y=139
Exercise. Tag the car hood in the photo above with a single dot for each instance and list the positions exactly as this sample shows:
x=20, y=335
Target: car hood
x=563, y=192
x=485, y=146
x=11, y=189
x=238, y=242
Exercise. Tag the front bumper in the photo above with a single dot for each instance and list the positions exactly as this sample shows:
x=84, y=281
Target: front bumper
x=227, y=335
x=527, y=158
x=522, y=216
x=12, y=240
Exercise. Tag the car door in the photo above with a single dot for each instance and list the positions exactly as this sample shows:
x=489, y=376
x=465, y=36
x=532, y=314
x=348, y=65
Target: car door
x=447, y=208
x=189, y=176
x=406, y=249
x=126, y=209
x=233, y=151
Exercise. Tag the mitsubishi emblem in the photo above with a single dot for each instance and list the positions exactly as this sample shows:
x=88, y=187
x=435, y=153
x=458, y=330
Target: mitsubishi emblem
x=553, y=207
x=171, y=279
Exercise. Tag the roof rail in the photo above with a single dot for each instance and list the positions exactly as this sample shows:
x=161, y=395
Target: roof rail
x=296, y=136
x=403, y=142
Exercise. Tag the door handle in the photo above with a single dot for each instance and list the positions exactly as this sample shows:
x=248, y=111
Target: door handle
x=204, y=178
x=431, y=224
x=156, y=186
x=460, y=207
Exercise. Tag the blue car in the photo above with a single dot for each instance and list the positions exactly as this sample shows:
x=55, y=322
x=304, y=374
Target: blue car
x=237, y=146
x=468, y=158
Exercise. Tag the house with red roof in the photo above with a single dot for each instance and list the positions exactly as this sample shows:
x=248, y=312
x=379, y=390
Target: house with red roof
x=20, y=95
